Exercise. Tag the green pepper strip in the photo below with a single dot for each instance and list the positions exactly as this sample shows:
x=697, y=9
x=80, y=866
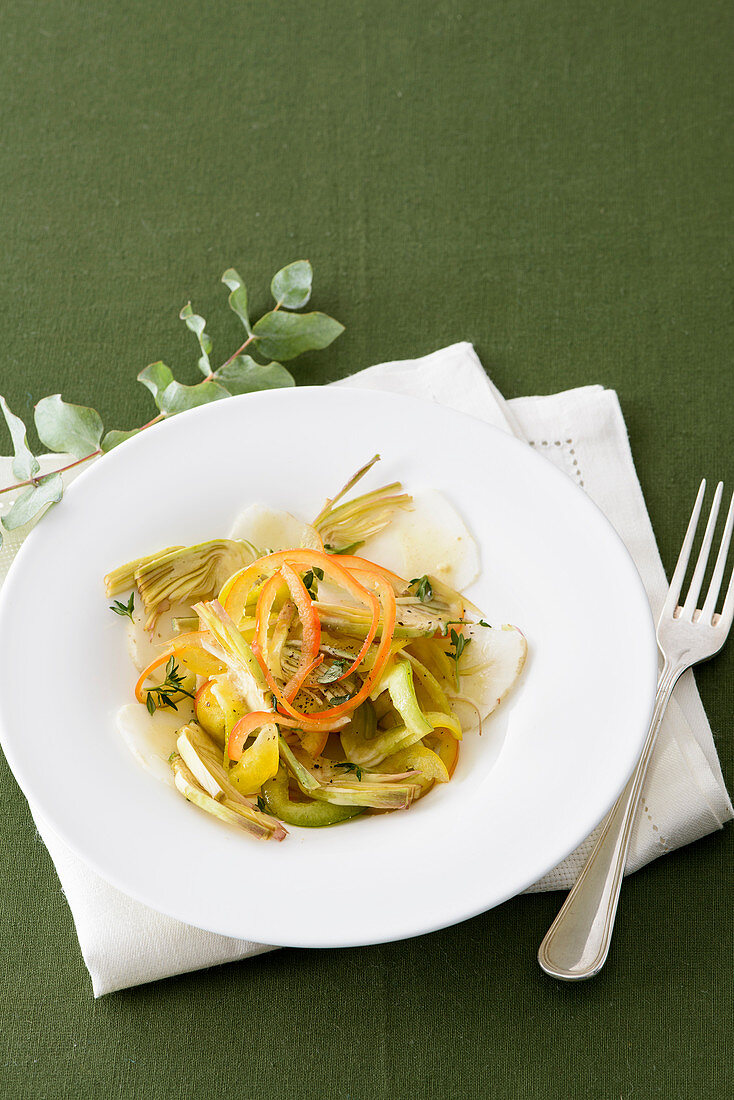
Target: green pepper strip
x=309, y=815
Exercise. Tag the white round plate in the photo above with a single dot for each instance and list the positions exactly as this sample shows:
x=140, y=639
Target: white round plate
x=547, y=767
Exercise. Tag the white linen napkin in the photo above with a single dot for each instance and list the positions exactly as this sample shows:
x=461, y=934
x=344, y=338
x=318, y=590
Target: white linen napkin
x=125, y=943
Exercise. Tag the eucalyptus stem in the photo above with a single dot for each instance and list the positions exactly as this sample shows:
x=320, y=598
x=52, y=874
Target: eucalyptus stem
x=62, y=469
x=232, y=358
x=39, y=478
x=280, y=334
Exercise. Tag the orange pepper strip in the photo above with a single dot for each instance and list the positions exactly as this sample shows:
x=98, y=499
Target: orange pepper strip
x=265, y=603
x=235, y=591
x=389, y=611
x=253, y=721
x=353, y=563
x=184, y=641
x=294, y=684
x=311, y=625
x=309, y=619
x=233, y=596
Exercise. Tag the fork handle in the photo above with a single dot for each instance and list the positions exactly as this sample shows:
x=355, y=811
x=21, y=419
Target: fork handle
x=577, y=943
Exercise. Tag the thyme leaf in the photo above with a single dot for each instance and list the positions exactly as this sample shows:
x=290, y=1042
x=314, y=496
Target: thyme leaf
x=343, y=549
x=351, y=768
x=308, y=580
x=337, y=700
x=125, y=609
x=332, y=672
x=424, y=589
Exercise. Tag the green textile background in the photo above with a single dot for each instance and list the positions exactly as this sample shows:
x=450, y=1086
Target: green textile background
x=552, y=181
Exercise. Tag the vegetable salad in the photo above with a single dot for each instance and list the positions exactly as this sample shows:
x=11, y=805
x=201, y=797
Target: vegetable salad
x=313, y=685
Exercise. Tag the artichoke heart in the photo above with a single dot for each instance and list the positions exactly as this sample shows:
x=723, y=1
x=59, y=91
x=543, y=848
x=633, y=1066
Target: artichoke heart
x=189, y=573
x=233, y=810
x=204, y=760
x=350, y=524
x=414, y=620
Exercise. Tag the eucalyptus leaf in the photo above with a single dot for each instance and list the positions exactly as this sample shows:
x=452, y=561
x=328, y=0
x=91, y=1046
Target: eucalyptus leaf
x=25, y=465
x=244, y=375
x=178, y=398
x=238, y=297
x=72, y=429
x=197, y=325
x=173, y=397
x=291, y=286
x=282, y=335
x=33, y=500
x=115, y=438
x=156, y=377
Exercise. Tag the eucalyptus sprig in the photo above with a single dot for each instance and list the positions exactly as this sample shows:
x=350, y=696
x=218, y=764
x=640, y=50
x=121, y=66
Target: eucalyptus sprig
x=277, y=336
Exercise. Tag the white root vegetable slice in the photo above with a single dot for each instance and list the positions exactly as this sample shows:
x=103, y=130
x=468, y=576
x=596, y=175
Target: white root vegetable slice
x=151, y=738
x=494, y=661
x=273, y=529
x=430, y=538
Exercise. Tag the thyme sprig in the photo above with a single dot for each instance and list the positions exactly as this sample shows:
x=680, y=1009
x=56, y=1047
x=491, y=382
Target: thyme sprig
x=125, y=609
x=459, y=642
x=162, y=695
x=424, y=588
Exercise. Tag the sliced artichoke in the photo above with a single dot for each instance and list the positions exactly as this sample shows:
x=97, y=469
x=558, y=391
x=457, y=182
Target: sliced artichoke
x=244, y=670
x=414, y=620
x=188, y=573
x=234, y=811
x=346, y=527
x=122, y=579
x=368, y=792
x=204, y=760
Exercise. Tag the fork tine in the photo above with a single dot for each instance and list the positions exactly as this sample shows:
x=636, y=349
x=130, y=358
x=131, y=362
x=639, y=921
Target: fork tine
x=703, y=556
x=671, y=600
x=718, y=575
x=727, y=612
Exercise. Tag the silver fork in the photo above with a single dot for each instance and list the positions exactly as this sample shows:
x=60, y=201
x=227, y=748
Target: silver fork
x=577, y=943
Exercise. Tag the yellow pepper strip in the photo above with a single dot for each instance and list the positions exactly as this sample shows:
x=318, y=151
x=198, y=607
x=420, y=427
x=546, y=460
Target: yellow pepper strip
x=446, y=746
x=210, y=713
x=429, y=765
x=445, y=722
x=258, y=763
